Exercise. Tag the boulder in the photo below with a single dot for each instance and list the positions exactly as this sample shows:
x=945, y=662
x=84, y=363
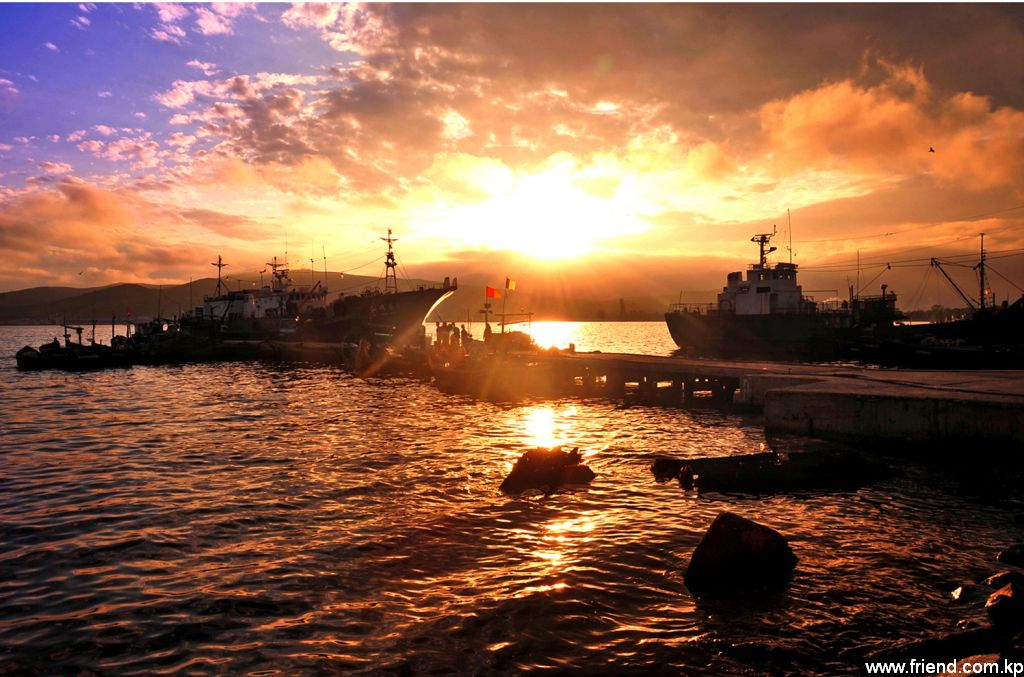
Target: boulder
x=736, y=552
x=547, y=470
x=1003, y=577
x=1005, y=606
x=1014, y=555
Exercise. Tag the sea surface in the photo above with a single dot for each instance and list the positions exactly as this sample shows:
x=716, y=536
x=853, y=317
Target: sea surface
x=291, y=519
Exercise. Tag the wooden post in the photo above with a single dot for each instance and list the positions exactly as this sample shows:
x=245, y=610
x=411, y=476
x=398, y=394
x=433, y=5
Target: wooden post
x=676, y=395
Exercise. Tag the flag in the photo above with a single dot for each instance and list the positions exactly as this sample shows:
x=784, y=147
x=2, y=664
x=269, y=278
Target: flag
x=510, y=284
x=493, y=293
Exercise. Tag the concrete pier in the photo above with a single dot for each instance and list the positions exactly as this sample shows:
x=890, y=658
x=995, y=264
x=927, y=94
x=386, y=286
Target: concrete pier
x=835, y=402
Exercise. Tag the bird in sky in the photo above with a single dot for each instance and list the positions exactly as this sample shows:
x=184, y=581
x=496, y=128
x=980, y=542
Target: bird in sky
x=931, y=150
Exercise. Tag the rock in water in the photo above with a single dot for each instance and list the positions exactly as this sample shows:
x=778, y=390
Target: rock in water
x=1005, y=606
x=547, y=470
x=1003, y=577
x=1014, y=555
x=739, y=553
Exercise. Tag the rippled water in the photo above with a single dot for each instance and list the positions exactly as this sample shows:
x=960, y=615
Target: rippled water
x=248, y=517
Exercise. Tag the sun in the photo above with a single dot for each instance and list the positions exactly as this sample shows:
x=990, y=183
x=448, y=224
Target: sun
x=552, y=214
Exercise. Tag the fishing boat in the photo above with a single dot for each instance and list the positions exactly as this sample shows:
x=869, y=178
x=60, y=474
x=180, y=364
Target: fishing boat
x=991, y=336
x=765, y=314
x=506, y=366
x=289, y=312
x=71, y=355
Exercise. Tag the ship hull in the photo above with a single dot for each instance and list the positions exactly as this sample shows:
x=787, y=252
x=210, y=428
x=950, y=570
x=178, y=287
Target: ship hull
x=395, y=319
x=798, y=336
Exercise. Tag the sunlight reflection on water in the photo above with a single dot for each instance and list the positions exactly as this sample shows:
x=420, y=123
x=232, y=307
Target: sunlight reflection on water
x=251, y=517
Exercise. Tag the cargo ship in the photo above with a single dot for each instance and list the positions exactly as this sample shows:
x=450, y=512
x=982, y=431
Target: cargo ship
x=765, y=314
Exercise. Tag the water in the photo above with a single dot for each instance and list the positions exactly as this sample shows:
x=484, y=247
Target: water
x=239, y=518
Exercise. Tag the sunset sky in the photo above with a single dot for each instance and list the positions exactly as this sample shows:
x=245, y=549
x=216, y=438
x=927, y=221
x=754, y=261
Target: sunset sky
x=599, y=147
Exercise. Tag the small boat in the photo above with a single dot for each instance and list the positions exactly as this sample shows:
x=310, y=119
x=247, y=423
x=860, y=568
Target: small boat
x=72, y=355
x=504, y=367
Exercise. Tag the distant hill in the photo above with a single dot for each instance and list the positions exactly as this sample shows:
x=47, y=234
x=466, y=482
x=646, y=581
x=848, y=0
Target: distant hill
x=50, y=305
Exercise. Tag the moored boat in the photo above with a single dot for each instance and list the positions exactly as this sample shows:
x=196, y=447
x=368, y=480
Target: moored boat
x=71, y=355
x=767, y=315
x=284, y=311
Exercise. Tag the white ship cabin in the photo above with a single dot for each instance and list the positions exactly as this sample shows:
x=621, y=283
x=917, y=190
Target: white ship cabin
x=767, y=290
x=278, y=300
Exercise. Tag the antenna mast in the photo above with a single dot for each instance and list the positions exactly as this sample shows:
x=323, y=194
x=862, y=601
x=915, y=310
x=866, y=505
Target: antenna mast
x=981, y=272
x=762, y=240
x=220, y=264
x=789, y=219
x=390, y=279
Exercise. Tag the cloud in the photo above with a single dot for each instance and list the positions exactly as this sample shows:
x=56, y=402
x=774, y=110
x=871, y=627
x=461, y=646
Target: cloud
x=54, y=138
x=105, y=130
x=220, y=17
x=50, y=46
x=7, y=88
x=320, y=15
x=208, y=69
x=86, y=7
x=211, y=23
x=55, y=167
x=232, y=10
x=141, y=151
x=888, y=127
x=181, y=141
x=229, y=225
x=58, y=230
x=104, y=94
x=81, y=23
x=168, y=33
x=77, y=135
x=170, y=12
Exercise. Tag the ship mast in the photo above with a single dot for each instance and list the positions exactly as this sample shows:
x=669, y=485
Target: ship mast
x=762, y=240
x=278, y=280
x=390, y=279
x=220, y=264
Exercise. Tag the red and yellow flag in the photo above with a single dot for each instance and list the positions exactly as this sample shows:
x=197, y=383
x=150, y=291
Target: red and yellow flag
x=493, y=293
x=510, y=284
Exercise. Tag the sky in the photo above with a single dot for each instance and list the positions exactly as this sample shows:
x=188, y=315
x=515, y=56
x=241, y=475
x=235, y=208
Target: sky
x=586, y=148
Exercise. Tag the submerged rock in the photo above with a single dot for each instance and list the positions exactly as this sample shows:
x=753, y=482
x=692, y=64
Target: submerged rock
x=547, y=470
x=1014, y=555
x=1005, y=606
x=1003, y=577
x=739, y=553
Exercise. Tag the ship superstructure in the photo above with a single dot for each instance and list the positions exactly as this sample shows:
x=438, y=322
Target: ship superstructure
x=766, y=314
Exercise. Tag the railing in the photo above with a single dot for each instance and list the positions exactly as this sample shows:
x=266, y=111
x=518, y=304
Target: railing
x=807, y=307
x=698, y=308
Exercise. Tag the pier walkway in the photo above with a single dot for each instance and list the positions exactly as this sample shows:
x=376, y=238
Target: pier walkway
x=838, y=401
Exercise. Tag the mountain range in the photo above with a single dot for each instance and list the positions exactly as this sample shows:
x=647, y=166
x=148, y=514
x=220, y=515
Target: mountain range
x=140, y=302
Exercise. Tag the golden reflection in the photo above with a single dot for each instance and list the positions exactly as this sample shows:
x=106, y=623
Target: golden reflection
x=555, y=334
x=544, y=427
